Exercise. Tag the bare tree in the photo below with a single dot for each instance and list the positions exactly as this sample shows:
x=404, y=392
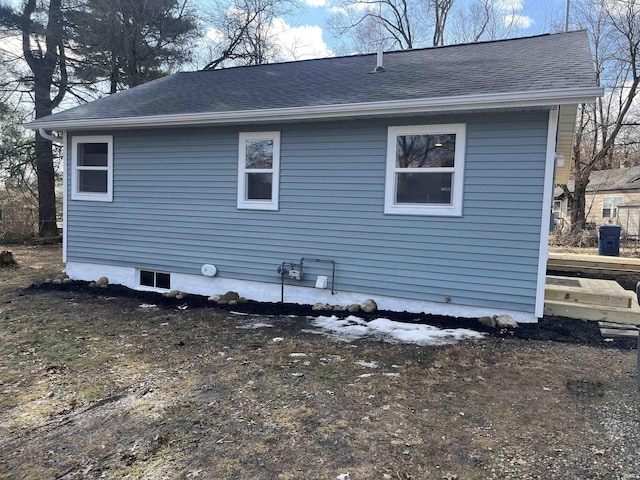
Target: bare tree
x=43, y=48
x=242, y=33
x=614, y=28
x=391, y=23
x=441, y=9
x=486, y=20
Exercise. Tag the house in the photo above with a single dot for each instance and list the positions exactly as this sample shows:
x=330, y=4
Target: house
x=422, y=179
x=612, y=197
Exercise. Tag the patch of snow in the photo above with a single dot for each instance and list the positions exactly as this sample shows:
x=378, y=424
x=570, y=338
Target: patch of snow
x=297, y=354
x=148, y=305
x=353, y=328
x=238, y=313
x=254, y=326
x=365, y=375
x=277, y=339
x=364, y=364
x=343, y=476
x=392, y=374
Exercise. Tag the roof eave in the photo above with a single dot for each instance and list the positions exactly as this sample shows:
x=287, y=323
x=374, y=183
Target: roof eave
x=385, y=108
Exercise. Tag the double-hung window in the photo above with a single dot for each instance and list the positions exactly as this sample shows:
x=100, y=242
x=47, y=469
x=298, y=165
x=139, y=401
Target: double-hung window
x=610, y=206
x=92, y=168
x=425, y=170
x=258, y=170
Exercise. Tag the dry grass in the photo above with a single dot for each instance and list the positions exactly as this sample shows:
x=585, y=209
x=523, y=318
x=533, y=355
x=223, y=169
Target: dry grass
x=93, y=386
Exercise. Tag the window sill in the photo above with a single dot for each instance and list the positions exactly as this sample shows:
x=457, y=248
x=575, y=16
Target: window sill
x=257, y=206
x=92, y=197
x=425, y=211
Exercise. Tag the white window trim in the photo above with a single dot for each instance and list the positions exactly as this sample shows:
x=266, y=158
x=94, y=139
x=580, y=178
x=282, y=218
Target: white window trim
x=96, y=197
x=243, y=203
x=457, y=184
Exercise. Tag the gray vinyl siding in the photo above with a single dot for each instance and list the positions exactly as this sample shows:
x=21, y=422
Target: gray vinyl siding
x=174, y=209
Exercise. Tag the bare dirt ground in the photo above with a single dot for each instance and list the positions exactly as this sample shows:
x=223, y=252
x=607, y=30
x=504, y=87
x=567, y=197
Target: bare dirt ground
x=92, y=385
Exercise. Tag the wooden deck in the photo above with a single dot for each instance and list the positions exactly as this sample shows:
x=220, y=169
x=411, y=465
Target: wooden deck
x=570, y=262
x=590, y=299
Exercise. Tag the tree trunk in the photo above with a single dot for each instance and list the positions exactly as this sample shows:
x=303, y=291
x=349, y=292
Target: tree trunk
x=578, y=204
x=47, y=226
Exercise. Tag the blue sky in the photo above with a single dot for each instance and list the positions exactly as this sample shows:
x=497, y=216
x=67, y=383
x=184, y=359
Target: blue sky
x=308, y=30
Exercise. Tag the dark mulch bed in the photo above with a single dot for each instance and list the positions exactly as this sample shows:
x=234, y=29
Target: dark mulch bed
x=556, y=329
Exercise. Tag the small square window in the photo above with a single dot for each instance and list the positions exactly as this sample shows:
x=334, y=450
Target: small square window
x=149, y=278
x=258, y=170
x=163, y=280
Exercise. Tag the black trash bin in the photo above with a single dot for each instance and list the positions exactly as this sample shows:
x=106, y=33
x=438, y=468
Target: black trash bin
x=609, y=240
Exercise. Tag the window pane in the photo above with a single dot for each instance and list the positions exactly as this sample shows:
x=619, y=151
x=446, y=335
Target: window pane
x=259, y=154
x=259, y=186
x=146, y=278
x=92, y=154
x=92, y=181
x=424, y=188
x=163, y=280
x=425, y=151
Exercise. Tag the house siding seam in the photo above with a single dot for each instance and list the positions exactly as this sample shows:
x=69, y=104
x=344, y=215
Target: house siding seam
x=174, y=209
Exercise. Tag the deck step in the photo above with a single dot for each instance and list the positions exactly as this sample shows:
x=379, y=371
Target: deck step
x=565, y=294
x=570, y=262
x=629, y=316
x=609, y=329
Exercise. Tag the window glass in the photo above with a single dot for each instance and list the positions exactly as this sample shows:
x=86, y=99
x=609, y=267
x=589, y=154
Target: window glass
x=425, y=151
x=424, y=188
x=94, y=181
x=610, y=206
x=259, y=186
x=259, y=154
x=146, y=278
x=93, y=155
x=163, y=280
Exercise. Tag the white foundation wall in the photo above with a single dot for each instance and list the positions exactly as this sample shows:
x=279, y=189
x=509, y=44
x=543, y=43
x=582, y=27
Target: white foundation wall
x=271, y=292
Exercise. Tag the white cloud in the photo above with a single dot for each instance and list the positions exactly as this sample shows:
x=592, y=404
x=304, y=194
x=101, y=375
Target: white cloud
x=299, y=43
x=215, y=35
x=316, y=3
x=351, y=7
x=521, y=21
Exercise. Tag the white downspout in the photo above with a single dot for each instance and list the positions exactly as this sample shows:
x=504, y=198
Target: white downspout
x=42, y=132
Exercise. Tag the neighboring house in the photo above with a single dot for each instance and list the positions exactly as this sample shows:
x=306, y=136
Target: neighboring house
x=612, y=197
x=425, y=185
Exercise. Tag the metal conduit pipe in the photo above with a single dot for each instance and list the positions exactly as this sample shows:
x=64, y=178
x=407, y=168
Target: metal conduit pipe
x=286, y=269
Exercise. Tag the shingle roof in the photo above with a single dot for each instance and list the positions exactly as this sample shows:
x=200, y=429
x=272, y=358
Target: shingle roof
x=615, y=179
x=546, y=62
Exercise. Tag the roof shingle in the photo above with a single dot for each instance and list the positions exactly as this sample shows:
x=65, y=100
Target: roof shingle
x=545, y=62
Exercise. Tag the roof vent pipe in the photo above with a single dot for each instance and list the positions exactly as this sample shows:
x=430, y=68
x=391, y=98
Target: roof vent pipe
x=380, y=53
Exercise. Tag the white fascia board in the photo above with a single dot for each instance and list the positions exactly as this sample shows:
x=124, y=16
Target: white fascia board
x=394, y=107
